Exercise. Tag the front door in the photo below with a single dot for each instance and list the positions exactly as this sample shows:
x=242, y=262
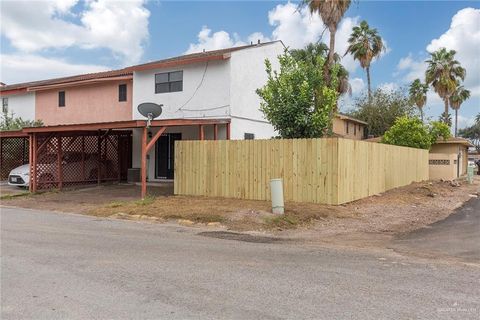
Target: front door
x=165, y=155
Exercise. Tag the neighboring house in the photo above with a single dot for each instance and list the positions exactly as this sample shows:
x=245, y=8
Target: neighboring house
x=449, y=158
x=18, y=102
x=349, y=127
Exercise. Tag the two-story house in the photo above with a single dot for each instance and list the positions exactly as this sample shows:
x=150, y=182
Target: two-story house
x=206, y=95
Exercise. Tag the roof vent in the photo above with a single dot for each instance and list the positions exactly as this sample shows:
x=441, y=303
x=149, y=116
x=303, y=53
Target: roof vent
x=203, y=50
x=258, y=42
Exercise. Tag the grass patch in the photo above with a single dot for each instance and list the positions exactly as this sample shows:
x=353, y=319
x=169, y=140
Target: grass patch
x=145, y=202
x=115, y=204
x=14, y=195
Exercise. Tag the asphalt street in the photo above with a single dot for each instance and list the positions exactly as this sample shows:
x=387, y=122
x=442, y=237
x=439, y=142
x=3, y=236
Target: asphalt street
x=456, y=236
x=65, y=266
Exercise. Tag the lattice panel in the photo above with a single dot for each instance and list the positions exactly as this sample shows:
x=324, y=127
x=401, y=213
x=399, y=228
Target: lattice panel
x=47, y=168
x=79, y=159
x=13, y=153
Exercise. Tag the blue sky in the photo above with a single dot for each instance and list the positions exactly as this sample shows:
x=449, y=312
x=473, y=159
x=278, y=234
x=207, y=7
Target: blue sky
x=60, y=37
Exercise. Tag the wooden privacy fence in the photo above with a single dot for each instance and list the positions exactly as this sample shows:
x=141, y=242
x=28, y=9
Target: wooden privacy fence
x=327, y=170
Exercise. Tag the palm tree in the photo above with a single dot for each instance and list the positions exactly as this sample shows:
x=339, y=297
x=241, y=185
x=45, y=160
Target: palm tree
x=456, y=99
x=312, y=52
x=443, y=73
x=331, y=12
x=365, y=45
x=418, y=95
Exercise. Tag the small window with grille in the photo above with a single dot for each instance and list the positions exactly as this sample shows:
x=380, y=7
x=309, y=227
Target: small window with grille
x=249, y=136
x=4, y=105
x=122, y=92
x=61, y=98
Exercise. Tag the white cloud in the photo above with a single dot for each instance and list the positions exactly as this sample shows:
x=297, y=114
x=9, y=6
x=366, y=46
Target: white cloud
x=411, y=69
x=388, y=86
x=295, y=27
x=358, y=85
x=28, y=67
x=462, y=36
x=464, y=122
x=217, y=40
x=121, y=26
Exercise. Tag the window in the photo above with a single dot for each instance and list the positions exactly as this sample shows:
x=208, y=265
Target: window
x=346, y=127
x=354, y=129
x=4, y=104
x=169, y=82
x=249, y=136
x=122, y=92
x=61, y=98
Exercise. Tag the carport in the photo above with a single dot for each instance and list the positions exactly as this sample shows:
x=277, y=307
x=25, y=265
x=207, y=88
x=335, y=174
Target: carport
x=14, y=151
x=77, y=154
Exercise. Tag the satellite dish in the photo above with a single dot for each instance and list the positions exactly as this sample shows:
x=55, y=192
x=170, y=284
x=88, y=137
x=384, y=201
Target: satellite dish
x=150, y=110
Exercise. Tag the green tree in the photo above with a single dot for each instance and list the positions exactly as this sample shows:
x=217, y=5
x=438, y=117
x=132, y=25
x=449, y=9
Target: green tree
x=381, y=111
x=459, y=96
x=439, y=130
x=296, y=99
x=418, y=95
x=412, y=132
x=472, y=133
x=315, y=53
x=9, y=122
x=365, y=44
x=446, y=118
x=331, y=12
x=443, y=74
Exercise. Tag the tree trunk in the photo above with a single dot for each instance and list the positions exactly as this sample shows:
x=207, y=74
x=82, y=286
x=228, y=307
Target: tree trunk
x=445, y=100
x=331, y=53
x=369, y=85
x=421, y=114
x=456, y=121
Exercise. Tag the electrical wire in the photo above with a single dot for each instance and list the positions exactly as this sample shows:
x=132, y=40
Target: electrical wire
x=196, y=90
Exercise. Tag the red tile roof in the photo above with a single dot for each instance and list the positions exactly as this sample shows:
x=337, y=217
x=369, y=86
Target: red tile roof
x=179, y=60
x=82, y=77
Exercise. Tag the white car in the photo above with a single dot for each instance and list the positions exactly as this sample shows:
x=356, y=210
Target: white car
x=20, y=176
x=47, y=170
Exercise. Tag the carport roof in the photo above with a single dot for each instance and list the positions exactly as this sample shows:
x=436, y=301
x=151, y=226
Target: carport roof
x=13, y=134
x=130, y=124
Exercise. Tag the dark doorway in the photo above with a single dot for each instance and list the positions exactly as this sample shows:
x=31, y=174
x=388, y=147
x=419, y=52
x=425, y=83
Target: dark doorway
x=165, y=154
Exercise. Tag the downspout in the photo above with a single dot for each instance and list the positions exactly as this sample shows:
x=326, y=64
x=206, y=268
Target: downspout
x=458, y=162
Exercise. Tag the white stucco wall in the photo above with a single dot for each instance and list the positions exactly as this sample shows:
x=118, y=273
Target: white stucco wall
x=247, y=68
x=223, y=89
x=206, y=92
x=22, y=105
x=261, y=129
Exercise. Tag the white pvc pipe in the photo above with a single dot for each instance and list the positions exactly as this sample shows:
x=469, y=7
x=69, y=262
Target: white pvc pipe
x=276, y=188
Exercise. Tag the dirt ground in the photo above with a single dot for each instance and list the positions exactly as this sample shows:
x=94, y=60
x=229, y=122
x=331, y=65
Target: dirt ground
x=372, y=219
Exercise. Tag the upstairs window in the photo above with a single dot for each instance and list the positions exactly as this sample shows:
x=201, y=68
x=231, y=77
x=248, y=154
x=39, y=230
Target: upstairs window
x=169, y=82
x=4, y=105
x=61, y=98
x=122, y=92
x=346, y=127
